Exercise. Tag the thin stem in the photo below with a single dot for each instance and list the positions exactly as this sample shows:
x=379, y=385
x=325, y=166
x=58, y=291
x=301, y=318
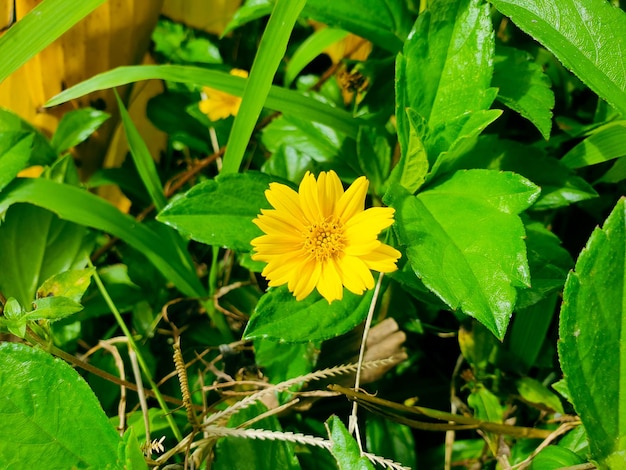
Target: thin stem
x=142, y=398
x=140, y=359
x=353, y=424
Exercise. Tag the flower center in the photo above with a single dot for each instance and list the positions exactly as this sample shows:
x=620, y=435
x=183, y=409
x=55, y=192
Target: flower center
x=324, y=240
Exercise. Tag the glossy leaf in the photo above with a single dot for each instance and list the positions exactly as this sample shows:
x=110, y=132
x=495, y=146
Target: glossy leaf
x=344, y=448
x=38, y=28
x=50, y=416
x=280, y=317
x=15, y=151
x=71, y=284
x=534, y=391
x=278, y=99
x=272, y=48
x=79, y=206
x=555, y=457
x=412, y=168
x=524, y=87
x=587, y=36
x=35, y=244
x=220, y=212
x=465, y=241
x=75, y=127
x=604, y=144
x=142, y=158
x=444, y=71
x=42, y=152
x=52, y=308
x=592, y=349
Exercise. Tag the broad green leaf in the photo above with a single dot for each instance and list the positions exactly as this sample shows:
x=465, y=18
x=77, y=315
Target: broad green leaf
x=220, y=212
x=604, y=144
x=524, y=87
x=592, y=349
x=386, y=23
x=272, y=48
x=50, y=417
x=35, y=244
x=142, y=158
x=79, y=206
x=15, y=151
x=344, y=448
x=42, y=152
x=71, y=284
x=555, y=457
x=529, y=331
x=52, y=308
x=38, y=28
x=310, y=48
x=487, y=407
x=464, y=240
x=279, y=99
x=235, y=453
x=559, y=186
x=549, y=264
x=587, y=36
x=374, y=155
x=534, y=391
x=280, y=317
x=412, y=168
x=75, y=127
x=283, y=361
x=391, y=440
x=444, y=71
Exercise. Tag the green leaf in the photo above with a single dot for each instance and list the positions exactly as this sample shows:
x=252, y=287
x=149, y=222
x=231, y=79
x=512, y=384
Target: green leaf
x=549, y=264
x=588, y=37
x=374, y=155
x=310, y=48
x=13, y=320
x=555, y=457
x=50, y=417
x=35, y=245
x=465, y=241
x=344, y=448
x=220, y=212
x=79, y=206
x=412, y=168
x=279, y=99
x=52, y=308
x=604, y=144
x=38, y=28
x=75, y=127
x=15, y=150
x=279, y=316
x=391, y=440
x=271, y=50
x=142, y=158
x=179, y=44
x=130, y=452
x=41, y=153
x=559, y=186
x=524, y=87
x=384, y=22
x=71, y=284
x=534, y=391
x=592, y=349
x=487, y=407
x=282, y=361
x=444, y=71
x=234, y=453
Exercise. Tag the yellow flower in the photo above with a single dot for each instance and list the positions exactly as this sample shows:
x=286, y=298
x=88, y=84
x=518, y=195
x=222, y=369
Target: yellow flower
x=219, y=105
x=321, y=237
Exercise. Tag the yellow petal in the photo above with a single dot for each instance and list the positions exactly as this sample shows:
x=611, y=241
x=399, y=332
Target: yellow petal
x=309, y=199
x=355, y=274
x=353, y=200
x=383, y=259
x=329, y=191
x=284, y=199
x=329, y=284
x=307, y=280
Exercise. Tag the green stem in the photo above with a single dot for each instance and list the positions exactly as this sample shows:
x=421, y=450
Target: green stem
x=140, y=359
x=216, y=317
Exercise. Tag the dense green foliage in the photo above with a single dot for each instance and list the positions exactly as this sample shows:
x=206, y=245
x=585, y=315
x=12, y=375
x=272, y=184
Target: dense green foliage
x=496, y=132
